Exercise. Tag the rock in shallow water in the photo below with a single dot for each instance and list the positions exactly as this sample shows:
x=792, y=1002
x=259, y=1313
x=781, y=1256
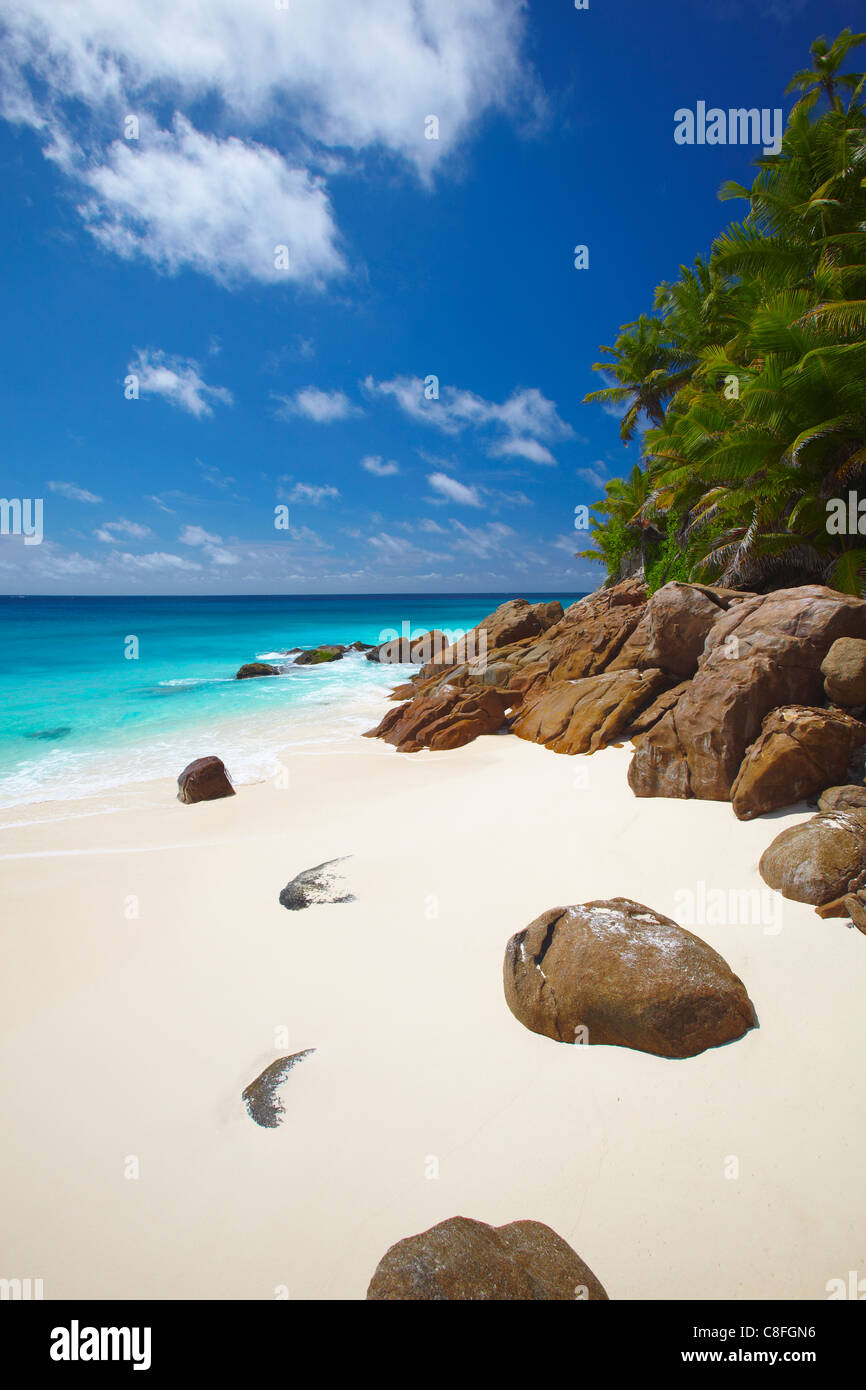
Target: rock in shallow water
x=617, y=972
x=260, y=1097
x=256, y=668
x=320, y=884
x=204, y=779
x=469, y=1260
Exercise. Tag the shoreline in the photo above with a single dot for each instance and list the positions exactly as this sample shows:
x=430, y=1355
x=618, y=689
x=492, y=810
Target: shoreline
x=145, y=1031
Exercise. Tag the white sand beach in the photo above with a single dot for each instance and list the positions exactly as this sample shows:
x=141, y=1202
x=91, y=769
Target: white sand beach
x=131, y=1038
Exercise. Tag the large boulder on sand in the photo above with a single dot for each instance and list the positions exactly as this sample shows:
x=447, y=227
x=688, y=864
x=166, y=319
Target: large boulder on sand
x=447, y=719
x=674, y=627
x=820, y=860
x=469, y=1260
x=850, y=797
x=844, y=671
x=616, y=972
x=204, y=779
x=799, y=751
x=762, y=653
x=256, y=668
x=582, y=715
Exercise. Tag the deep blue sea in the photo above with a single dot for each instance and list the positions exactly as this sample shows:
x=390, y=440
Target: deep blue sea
x=80, y=716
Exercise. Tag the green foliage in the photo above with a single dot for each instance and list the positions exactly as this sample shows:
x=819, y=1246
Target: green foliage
x=750, y=373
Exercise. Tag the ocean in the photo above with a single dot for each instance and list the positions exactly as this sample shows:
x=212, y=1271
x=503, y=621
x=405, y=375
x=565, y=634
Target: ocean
x=80, y=716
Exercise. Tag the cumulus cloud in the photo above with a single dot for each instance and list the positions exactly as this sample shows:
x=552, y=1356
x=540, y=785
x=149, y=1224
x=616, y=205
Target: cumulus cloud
x=321, y=406
x=212, y=544
x=375, y=464
x=327, y=81
x=73, y=492
x=454, y=491
x=514, y=427
x=221, y=207
x=596, y=474
x=178, y=380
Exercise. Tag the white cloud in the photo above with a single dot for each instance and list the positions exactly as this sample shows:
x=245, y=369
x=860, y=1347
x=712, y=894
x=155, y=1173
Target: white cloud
x=374, y=463
x=325, y=80
x=110, y=532
x=321, y=406
x=596, y=474
x=212, y=544
x=73, y=492
x=155, y=560
x=530, y=449
x=517, y=425
x=480, y=540
x=158, y=502
x=178, y=380
x=222, y=207
x=454, y=491
x=310, y=492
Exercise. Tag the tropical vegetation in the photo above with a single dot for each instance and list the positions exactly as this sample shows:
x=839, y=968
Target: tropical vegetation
x=746, y=383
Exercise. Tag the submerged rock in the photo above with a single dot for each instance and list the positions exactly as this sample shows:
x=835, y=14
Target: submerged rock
x=316, y=656
x=256, y=668
x=320, y=884
x=619, y=973
x=52, y=734
x=204, y=779
x=260, y=1097
x=469, y=1260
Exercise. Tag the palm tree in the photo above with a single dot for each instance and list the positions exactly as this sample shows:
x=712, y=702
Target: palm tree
x=647, y=371
x=824, y=75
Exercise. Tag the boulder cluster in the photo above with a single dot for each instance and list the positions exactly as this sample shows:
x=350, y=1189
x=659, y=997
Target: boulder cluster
x=756, y=699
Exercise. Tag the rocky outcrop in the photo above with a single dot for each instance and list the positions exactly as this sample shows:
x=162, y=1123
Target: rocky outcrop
x=762, y=653
x=799, y=751
x=844, y=672
x=819, y=861
x=616, y=972
x=579, y=716
x=428, y=646
x=461, y=1259
x=261, y=1098
x=318, y=656
x=673, y=629
x=320, y=884
x=447, y=719
x=256, y=668
x=204, y=779
x=510, y=623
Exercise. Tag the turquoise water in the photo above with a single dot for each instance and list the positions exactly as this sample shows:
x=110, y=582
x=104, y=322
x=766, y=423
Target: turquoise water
x=79, y=716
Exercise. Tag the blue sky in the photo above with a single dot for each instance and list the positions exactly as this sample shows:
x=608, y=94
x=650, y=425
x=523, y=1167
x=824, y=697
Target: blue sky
x=295, y=378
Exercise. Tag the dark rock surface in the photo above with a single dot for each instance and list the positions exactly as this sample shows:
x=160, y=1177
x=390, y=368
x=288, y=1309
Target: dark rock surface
x=462, y=1259
x=321, y=884
x=204, y=779
x=616, y=972
x=260, y=1097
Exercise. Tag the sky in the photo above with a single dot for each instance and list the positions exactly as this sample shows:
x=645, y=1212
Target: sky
x=289, y=293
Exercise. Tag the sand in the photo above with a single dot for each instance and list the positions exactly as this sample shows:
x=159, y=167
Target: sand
x=127, y=1039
